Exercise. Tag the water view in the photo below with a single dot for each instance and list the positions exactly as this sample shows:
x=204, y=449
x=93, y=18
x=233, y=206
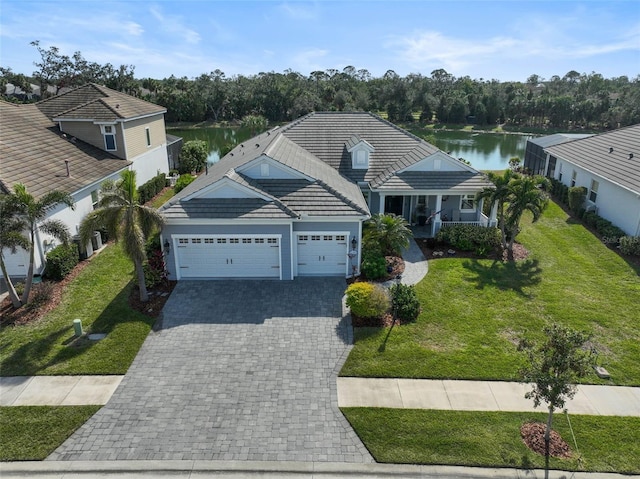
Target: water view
x=485, y=151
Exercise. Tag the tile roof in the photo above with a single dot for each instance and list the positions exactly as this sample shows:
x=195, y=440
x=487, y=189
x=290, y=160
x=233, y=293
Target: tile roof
x=232, y=208
x=593, y=154
x=32, y=152
x=436, y=180
x=98, y=103
x=556, y=139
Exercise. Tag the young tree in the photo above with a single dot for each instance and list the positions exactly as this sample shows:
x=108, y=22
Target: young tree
x=390, y=232
x=498, y=195
x=193, y=156
x=12, y=229
x=554, y=366
x=524, y=194
x=34, y=212
x=126, y=220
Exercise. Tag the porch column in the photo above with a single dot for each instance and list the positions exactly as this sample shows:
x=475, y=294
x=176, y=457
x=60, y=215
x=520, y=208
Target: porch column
x=435, y=224
x=493, y=218
x=479, y=209
x=381, y=204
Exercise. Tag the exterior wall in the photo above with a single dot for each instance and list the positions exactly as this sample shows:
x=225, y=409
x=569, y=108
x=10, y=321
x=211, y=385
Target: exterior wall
x=222, y=229
x=374, y=203
x=149, y=164
x=617, y=204
x=136, y=136
x=90, y=133
x=534, y=158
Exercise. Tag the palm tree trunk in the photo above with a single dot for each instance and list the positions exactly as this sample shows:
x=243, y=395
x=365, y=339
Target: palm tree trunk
x=13, y=295
x=29, y=279
x=144, y=295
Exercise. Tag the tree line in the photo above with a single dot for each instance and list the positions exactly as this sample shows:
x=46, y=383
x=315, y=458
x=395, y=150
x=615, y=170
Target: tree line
x=573, y=101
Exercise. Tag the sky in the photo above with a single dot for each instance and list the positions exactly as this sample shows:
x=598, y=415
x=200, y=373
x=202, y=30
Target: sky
x=503, y=40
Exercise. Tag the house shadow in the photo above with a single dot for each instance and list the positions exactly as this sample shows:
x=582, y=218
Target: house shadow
x=504, y=275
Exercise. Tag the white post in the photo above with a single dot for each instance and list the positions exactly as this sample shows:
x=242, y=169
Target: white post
x=436, y=221
x=381, y=204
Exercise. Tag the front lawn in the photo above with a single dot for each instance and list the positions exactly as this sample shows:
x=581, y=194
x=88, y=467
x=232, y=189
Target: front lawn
x=31, y=433
x=474, y=311
x=492, y=439
x=99, y=297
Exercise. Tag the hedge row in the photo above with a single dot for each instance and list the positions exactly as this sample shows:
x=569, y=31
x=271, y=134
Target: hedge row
x=630, y=245
x=609, y=232
x=152, y=187
x=467, y=237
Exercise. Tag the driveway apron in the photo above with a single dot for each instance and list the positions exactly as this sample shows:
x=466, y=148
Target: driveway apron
x=237, y=370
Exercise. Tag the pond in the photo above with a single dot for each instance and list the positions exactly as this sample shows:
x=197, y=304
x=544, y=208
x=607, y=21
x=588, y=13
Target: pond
x=485, y=151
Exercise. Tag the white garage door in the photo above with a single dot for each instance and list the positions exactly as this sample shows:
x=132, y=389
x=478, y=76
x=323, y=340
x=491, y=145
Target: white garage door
x=322, y=254
x=239, y=256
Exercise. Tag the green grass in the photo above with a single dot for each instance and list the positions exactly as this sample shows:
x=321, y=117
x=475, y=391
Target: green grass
x=99, y=297
x=492, y=439
x=474, y=311
x=162, y=198
x=31, y=433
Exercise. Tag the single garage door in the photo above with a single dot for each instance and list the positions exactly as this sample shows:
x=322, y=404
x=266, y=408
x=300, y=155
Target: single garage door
x=237, y=256
x=322, y=254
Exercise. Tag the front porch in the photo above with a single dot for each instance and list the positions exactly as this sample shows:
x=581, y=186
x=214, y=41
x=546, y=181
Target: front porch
x=427, y=213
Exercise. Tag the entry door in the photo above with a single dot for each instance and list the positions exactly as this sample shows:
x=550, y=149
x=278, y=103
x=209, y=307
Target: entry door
x=393, y=204
x=322, y=254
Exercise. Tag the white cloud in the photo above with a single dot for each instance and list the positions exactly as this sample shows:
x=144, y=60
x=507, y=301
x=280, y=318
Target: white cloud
x=299, y=11
x=173, y=25
x=307, y=60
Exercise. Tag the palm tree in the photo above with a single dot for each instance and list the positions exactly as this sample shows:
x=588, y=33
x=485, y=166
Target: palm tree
x=126, y=220
x=34, y=213
x=12, y=229
x=498, y=194
x=390, y=232
x=525, y=194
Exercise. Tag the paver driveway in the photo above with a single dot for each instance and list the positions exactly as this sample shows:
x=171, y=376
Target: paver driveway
x=240, y=370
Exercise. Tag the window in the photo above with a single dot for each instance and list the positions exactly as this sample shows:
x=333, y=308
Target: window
x=341, y=238
x=109, y=133
x=560, y=172
x=183, y=240
x=208, y=241
x=148, y=133
x=468, y=203
x=328, y=238
x=315, y=237
x=437, y=163
x=361, y=157
x=264, y=169
x=221, y=240
x=196, y=240
x=246, y=240
x=234, y=240
x=259, y=240
x=593, y=193
x=95, y=198
x=573, y=178
x=272, y=241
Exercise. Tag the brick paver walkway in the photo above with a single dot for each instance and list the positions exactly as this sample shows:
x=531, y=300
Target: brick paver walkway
x=241, y=370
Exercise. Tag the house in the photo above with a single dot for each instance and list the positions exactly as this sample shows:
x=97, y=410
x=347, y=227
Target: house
x=73, y=142
x=608, y=166
x=535, y=158
x=291, y=201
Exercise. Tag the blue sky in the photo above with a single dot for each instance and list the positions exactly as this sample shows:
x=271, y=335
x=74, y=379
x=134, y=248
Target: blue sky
x=505, y=40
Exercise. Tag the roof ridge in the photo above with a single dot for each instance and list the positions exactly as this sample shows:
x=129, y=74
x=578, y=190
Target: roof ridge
x=251, y=183
x=342, y=197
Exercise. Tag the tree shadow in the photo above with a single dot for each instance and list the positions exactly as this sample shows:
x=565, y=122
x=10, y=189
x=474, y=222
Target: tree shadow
x=505, y=276
x=27, y=359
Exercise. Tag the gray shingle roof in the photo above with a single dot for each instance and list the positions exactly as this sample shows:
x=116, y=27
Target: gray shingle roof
x=33, y=150
x=593, y=155
x=96, y=102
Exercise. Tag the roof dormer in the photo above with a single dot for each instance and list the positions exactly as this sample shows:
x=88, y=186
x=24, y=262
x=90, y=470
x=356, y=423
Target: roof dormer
x=360, y=152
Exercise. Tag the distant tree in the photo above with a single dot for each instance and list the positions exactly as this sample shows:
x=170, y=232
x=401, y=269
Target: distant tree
x=193, y=156
x=255, y=123
x=126, y=220
x=553, y=367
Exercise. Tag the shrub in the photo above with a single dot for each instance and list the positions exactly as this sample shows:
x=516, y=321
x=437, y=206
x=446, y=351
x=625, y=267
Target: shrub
x=155, y=271
x=183, y=182
x=577, y=195
x=405, y=305
x=469, y=237
x=630, y=245
x=374, y=265
x=367, y=300
x=590, y=218
x=193, y=156
x=61, y=260
x=151, y=188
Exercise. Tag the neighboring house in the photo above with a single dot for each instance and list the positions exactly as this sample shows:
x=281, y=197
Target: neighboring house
x=73, y=142
x=608, y=166
x=535, y=158
x=291, y=202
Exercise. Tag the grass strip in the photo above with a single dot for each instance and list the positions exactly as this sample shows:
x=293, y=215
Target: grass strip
x=31, y=433
x=492, y=439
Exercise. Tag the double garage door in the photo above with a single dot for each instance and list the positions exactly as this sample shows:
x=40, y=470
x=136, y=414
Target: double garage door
x=233, y=256
x=259, y=256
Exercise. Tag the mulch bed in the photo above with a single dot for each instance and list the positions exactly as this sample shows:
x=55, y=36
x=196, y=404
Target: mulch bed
x=158, y=296
x=532, y=434
x=428, y=249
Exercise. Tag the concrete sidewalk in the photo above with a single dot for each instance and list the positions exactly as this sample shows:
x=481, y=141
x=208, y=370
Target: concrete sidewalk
x=275, y=470
x=479, y=396
x=57, y=390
